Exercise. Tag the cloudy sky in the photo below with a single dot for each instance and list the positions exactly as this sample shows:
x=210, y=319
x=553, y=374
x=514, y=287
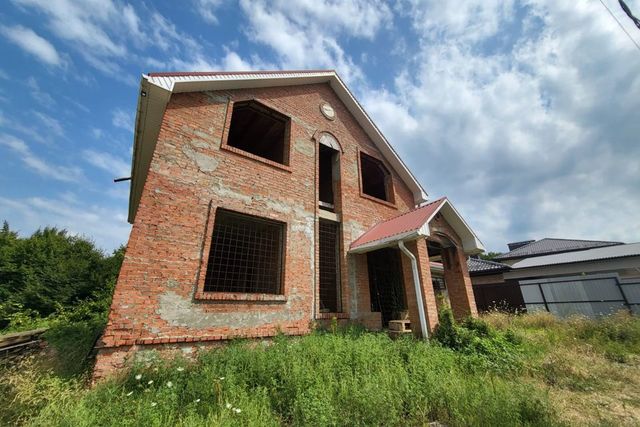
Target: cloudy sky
x=526, y=114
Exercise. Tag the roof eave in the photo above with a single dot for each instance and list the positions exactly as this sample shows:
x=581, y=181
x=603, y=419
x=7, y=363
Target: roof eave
x=387, y=241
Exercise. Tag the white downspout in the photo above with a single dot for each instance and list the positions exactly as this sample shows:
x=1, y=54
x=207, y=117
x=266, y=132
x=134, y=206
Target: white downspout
x=416, y=283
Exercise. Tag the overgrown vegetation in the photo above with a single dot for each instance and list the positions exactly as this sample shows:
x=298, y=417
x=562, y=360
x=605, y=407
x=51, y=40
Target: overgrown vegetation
x=51, y=276
x=500, y=370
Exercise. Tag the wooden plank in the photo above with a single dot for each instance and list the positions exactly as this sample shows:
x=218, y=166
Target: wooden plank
x=24, y=344
x=20, y=337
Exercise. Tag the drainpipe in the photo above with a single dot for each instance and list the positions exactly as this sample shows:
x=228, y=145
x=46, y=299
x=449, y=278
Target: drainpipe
x=416, y=283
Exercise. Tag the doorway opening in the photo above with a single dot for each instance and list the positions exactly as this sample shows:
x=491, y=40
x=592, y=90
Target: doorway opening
x=386, y=284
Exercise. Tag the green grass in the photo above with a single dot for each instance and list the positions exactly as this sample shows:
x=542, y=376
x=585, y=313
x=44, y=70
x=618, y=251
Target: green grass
x=507, y=370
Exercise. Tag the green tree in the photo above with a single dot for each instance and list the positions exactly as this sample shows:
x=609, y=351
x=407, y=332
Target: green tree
x=490, y=256
x=52, y=270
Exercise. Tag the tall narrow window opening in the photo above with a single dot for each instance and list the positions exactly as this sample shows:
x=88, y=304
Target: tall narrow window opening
x=259, y=130
x=326, y=176
x=246, y=254
x=376, y=178
x=329, y=246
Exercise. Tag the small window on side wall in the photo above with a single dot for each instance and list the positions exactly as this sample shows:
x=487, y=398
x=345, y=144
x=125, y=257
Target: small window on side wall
x=375, y=177
x=259, y=130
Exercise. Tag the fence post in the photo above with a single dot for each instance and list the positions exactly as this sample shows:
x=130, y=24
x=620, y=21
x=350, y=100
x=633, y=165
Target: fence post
x=624, y=296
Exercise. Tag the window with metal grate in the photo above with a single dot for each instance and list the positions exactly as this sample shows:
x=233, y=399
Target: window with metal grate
x=246, y=254
x=329, y=266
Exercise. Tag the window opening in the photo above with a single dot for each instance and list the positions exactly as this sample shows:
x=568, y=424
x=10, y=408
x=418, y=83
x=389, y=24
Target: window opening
x=329, y=249
x=246, y=254
x=327, y=172
x=376, y=178
x=258, y=130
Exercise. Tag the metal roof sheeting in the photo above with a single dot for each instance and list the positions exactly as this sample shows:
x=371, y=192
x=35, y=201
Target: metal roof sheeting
x=400, y=225
x=550, y=246
x=608, y=252
x=413, y=225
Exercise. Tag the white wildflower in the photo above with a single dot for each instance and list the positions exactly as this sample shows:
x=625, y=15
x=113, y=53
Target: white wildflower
x=150, y=382
x=237, y=410
x=130, y=393
x=180, y=369
x=197, y=400
x=221, y=378
x=153, y=403
x=139, y=377
x=228, y=405
x=169, y=384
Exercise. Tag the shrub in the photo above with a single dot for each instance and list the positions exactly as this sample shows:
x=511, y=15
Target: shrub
x=494, y=349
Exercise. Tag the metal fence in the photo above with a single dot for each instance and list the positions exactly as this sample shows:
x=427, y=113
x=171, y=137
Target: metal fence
x=593, y=295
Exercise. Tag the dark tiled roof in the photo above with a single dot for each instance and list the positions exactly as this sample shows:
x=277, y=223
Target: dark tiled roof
x=553, y=246
x=515, y=245
x=477, y=265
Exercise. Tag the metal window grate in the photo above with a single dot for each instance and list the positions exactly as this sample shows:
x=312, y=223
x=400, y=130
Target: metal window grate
x=329, y=266
x=246, y=254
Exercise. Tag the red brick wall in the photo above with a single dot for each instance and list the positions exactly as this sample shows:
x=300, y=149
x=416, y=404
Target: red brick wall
x=456, y=272
x=155, y=300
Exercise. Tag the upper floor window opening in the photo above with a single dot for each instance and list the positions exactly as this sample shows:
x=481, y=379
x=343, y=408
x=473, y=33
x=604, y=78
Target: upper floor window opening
x=259, y=130
x=375, y=177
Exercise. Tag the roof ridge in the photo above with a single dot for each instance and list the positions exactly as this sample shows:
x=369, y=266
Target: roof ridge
x=223, y=73
x=578, y=240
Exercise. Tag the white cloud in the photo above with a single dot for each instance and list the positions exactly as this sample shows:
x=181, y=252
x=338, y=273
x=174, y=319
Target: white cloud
x=53, y=126
x=122, y=119
x=39, y=165
x=470, y=20
x=110, y=35
x=30, y=42
x=305, y=34
x=86, y=23
x=207, y=9
x=98, y=223
x=532, y=135
x=114, y=165
x=39, y=95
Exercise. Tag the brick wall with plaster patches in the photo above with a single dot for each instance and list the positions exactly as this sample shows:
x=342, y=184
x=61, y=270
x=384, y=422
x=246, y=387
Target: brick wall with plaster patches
x=191, y=174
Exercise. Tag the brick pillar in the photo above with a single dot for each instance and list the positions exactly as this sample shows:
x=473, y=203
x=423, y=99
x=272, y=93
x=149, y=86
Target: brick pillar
x=419, y=250
x=456, y=277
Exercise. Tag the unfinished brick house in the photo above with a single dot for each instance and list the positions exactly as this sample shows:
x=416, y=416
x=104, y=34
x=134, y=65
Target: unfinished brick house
x=269, y=201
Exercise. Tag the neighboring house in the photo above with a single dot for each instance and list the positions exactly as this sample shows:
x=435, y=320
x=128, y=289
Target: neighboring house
x=534, y=248
x=562, y=276
x=266, y=202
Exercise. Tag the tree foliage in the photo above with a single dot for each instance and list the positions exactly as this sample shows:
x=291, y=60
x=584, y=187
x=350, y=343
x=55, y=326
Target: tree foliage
x=52, y=271
x=490, y=256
